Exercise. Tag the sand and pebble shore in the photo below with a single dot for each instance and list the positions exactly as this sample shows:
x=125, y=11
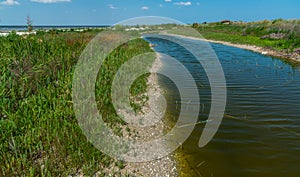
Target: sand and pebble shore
x=166, y=166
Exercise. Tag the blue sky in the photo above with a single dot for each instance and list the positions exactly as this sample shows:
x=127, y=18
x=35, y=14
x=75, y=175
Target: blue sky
x=98, y=12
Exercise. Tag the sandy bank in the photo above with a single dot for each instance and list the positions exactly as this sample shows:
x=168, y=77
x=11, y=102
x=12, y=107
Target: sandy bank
x=265, y=51
x=164, y=167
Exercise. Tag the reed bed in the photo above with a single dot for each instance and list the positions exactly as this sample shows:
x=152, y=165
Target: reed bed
x=39, y=135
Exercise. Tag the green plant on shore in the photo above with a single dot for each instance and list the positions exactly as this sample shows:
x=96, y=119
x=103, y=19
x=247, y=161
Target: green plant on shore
x=256, y=33
x=39, y=135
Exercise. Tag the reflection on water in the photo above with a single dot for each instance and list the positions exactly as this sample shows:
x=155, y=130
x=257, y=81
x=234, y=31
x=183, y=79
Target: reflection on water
x=260, y=134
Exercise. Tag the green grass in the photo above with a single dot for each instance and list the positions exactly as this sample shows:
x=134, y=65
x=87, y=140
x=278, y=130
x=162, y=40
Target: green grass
x=237, y=39
x=250, y=33
x=39, y=135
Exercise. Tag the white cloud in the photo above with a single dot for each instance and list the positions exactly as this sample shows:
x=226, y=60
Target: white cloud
x=112, y=6
x=50, y=1
x=160, y=5
x=188, y=3
x=145, y=8
x=10, y=2
x=168, y=0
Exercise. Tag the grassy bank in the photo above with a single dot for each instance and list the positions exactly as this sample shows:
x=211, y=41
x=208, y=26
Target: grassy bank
x=276, y=34
x=39, y=135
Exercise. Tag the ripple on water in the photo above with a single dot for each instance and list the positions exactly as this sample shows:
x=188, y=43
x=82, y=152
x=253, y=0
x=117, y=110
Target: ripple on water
x=259, y=135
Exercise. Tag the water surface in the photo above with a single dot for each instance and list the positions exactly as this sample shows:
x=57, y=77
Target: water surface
x=260, y=134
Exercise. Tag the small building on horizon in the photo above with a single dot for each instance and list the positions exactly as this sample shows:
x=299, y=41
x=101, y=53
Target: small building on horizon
x=226, y=22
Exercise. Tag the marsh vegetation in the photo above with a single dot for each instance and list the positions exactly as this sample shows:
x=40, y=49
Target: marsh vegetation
x=39, y=135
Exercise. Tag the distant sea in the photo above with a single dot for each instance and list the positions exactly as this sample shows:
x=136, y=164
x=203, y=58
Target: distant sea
x=5, y=28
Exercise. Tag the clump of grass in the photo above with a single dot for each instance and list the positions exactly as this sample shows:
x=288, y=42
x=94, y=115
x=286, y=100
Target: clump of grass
x=39, y=135
x=106, y=76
